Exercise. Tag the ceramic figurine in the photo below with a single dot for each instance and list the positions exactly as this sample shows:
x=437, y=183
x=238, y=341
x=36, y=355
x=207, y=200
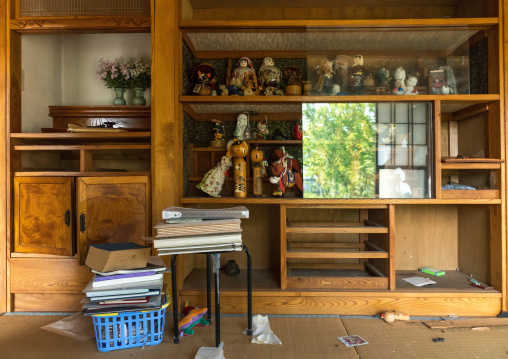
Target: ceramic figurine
x=256, y=156
x=203, y=76
x=263, y=132
x=269, y=77
x=357, y=73
x=411, y=86
x=293, y=78
x=446, y=90
x=307, y=87
x=218, y=134
x=341, y=69
x=242, y=123
x=297, y=130
x=382, y=79
x=238, y=150
x=399, y=85
x=325, y=81
x=244, y=75
x=284, y=172
x=213, y=180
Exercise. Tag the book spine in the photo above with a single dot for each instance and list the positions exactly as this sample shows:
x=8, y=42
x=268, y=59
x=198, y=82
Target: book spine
x=120, y=276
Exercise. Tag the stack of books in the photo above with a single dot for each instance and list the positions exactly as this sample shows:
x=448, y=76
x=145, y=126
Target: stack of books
x=127, y=289
x=199, y=230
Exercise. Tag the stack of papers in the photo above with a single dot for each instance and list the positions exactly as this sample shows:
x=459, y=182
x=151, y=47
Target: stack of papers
x=190, y=230
x=125, y=290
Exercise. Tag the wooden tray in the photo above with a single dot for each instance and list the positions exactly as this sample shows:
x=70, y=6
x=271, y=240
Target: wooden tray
x=470, y=160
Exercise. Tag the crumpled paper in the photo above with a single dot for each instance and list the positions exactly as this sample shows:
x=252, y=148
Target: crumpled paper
x=262, y=334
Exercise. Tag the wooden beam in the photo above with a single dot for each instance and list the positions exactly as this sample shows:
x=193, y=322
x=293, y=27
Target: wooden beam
x=4, y=223
x=470, y=111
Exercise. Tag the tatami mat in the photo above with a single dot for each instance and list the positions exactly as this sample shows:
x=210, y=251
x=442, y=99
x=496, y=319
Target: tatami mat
x=307, y=337
x=414, y=340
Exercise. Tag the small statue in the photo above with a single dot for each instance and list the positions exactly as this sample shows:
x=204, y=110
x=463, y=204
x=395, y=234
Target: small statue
x=269, y=77
x=357, y=73
x=284, y=172
x=242, y=130
x=213, y=180
x=293, y=78
x=411, y=86
x=399, y=84
x=256, y=156
x=204, y=78
x=218, y=134
x=263, y=132
x=238, y=150
x=341, y=69
x=446, y=90
x=297, y=130
x=382, y=79
x=325, y=81
x=244, y=75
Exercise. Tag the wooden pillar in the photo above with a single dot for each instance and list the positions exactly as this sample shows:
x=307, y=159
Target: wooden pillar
x=4, y=294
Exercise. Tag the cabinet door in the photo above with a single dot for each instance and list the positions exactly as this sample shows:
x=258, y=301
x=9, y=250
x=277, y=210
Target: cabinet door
x=42, y=215
x=112, y=209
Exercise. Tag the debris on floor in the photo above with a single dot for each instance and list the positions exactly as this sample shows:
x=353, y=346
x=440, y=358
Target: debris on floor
x=352, y=340
x=262, y=334
x=76, y=327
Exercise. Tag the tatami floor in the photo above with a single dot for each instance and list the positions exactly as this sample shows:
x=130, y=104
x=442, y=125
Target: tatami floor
x=301, y=337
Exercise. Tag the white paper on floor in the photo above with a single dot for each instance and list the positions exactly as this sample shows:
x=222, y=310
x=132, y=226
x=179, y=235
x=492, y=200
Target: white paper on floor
x=262, y=334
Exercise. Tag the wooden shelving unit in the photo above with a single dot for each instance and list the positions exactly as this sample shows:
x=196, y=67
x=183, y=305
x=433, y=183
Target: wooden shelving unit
x=362, y=274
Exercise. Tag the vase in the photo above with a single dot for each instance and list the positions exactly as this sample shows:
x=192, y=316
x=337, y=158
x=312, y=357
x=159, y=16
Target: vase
x=119, y=100
x=139, y=99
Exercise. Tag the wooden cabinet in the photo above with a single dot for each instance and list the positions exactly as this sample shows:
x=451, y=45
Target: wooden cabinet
x=353, y=258
x=43, y=215
x=112, y=209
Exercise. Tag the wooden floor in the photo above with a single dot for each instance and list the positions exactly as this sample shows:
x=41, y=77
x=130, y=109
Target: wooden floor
x=302, y=337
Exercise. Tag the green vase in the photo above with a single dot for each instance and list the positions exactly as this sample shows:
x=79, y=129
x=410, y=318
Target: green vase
x=139, y=99
x=119, y=100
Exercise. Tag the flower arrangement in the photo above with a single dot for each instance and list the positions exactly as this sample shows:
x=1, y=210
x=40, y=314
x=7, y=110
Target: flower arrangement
x=140, y=73
x=115, y=74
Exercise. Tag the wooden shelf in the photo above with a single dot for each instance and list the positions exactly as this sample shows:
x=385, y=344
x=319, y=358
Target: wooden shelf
x=81, y=136
x=339, y=99
x=470, y=166
x=79, y=147
x=453, y=281
x=270, y=25
x=334, y=227
x=77, y=174
x=309, y=201
x=478, y=194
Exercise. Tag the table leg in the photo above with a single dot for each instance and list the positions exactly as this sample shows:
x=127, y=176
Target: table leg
x=249, y=290
x=208, y=288
x=216, y=270
x=176, y=337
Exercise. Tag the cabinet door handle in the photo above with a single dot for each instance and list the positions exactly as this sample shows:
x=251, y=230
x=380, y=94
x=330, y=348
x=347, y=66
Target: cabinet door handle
x=68, y=218
x=82, y=223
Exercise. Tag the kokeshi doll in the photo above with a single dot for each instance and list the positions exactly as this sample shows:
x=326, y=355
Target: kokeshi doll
x=239, y=150
x=256, y=156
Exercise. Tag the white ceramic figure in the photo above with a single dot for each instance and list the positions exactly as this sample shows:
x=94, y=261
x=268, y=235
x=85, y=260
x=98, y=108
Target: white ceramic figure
x=411, y=86
x=242, y=122
x=262, y=131
x=446, y=90
x=213, y=180
x=399, y=84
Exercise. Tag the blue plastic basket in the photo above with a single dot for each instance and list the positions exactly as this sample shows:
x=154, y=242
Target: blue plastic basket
x=130, y=329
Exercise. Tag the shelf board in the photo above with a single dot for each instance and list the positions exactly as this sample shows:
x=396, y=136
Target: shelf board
x=452, y=280
x=315, y=227
x=333, y=99
x=55, y=136
x=271, y=25
x=479, y=194
x=336, y=255
x=78, y=147
x=77, y=174
x=309, y=201
x=470, y=166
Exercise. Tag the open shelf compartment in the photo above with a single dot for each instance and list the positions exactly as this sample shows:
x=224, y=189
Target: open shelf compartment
x=336, y=247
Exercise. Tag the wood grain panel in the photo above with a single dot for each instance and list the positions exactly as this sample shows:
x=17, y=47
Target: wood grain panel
x=116, y=209
x=352, y=304
x=45, y=275
x=41, y=205
x=123, y=116
x=426, y=236
x=365, y=283
x=42, y=302
x=97, y=24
